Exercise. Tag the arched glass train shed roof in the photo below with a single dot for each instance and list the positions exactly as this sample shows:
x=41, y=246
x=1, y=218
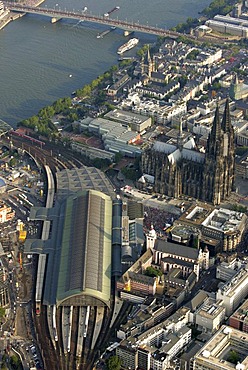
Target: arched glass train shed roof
x=78, y=268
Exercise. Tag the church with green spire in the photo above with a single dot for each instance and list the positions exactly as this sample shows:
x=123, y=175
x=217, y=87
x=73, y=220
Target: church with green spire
x=238, y=90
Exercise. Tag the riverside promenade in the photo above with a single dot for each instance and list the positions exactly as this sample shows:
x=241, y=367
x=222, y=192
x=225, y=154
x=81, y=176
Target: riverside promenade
x=11, y=16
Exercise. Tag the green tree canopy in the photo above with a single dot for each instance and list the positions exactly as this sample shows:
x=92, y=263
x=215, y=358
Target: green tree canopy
x=113, y=363
x=141, y=52
x=151, y=271
x=239, y=208
x=118, y=157
x=218, y=7
x=240, y=150
x=15, y=362
x=2, y=312
x=233, y=357
x=12, y=162
x=193, y=54
x=61, y=105
x=216, y=85
x=101, y=163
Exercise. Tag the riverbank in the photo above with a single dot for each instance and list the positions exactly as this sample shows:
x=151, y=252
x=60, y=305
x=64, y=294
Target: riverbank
x=39, y=57
x=12, y=16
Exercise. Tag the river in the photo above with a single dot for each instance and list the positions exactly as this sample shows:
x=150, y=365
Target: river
x=41, y=62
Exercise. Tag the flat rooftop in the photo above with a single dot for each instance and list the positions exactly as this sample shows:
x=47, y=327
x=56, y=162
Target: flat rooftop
x=196, y=214
x=242, y=312
x=126, y=117
x=214, y=354
x=224, y=220
x=210, y=309
x=230, y=288
x=182, y=231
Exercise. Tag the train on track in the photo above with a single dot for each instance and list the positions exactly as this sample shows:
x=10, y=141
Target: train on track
x=24, y=136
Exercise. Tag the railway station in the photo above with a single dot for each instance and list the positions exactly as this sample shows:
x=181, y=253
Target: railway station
x=75, y=263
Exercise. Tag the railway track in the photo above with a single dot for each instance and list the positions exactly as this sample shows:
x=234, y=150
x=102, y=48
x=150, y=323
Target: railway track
x=86, y=352
x=48, y=154
x=60, y=338
x=53, y=351
x=45, y=342
x=74, y=335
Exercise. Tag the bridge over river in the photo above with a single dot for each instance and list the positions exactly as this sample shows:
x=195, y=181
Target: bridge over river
x=83, y=16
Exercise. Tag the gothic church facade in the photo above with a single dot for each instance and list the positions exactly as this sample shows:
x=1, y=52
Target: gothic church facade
x=182, y=170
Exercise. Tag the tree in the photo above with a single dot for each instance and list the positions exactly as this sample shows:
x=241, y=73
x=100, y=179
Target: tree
x=101, y=163
x=113, y=363
x=141, y=52
x=34, y=121
x=183, y=80
x=125, y=63
x=216, y=85
x=239, y=208
x=218, y=7
x=110, y=106
x=66, y=102
x=193, y=54
x=151, y=271
x=58, y=106
x=94, y=84
x=85, y=91
x=12, y=162
x=2, y=312
x=73, y=116
x=240, y=150
x=15, y=362
x=233, y=357
x=46, y=112
x=113, y=69
x=130, y=173
x=100, y=98
x=118, y=157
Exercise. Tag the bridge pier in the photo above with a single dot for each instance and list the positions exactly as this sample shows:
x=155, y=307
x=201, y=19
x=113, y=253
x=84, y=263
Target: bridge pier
x=127, y=33
x=55, y=19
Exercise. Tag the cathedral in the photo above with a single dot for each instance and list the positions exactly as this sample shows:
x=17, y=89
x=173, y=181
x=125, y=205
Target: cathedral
x=182, y=169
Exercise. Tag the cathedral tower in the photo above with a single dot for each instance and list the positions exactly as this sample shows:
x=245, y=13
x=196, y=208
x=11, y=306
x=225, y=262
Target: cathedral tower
x=180, y=136
x=147, y=64
x=218, y=176
x=229, y=152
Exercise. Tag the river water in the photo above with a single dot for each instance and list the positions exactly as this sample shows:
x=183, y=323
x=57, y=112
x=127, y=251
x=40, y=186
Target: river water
x=41, y=62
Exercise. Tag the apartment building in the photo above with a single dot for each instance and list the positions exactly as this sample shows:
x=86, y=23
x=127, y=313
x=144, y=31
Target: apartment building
x=157, y=346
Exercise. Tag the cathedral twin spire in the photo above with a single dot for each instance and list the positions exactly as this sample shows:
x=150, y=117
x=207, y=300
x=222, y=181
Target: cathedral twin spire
x=208, y=177
x=218, y=177
x=226, y=121
x=219, y=128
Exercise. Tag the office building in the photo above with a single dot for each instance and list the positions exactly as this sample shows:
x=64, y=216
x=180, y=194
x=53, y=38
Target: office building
x=215, y=354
